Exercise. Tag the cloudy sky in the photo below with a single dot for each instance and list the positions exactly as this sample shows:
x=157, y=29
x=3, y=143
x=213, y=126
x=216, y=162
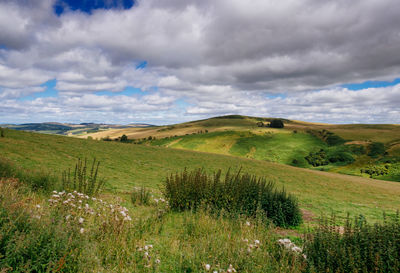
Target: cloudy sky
x=160, y=62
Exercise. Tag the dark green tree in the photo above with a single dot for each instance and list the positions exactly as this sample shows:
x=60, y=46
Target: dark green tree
x=124, y=138
x=276, y=123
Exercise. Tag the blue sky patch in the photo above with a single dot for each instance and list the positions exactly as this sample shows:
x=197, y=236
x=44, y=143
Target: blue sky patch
x=370, y=84
x=49, y=92
x=88, y=6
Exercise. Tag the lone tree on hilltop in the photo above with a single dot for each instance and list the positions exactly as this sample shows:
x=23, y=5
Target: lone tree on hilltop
x=276, y=123
x=124, y=138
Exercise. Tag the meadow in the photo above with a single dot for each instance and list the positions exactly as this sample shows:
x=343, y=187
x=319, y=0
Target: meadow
x=44, y=231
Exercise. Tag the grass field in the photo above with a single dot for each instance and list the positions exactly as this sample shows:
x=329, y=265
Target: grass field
x=127, y=165
x=281, y=146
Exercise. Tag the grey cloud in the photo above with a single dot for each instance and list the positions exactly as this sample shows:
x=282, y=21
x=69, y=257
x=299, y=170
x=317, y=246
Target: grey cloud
x=220, y=56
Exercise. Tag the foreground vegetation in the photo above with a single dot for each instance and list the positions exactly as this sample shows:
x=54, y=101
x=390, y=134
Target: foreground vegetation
x=59, y=231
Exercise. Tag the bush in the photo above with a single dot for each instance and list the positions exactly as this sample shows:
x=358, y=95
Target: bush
x=376, y=149
x=81, y=180
x=317, y=159
x=276, y=123
x=124, y=138
x=140, y=196
x=333, y=140
x=360, y=248
x=239, y=194
x=1, y=132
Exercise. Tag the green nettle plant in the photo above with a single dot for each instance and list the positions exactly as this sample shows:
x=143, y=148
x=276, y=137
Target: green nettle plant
x=82, y=180
x=238, y=194
x=355, y=247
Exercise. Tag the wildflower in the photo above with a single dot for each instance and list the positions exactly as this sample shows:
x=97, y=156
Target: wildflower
x=207, y=267
x=65, y=202
x=94, y=198
x=128, y=218
x=158, y=261
x=140, y=249
x=82, y=230
x=38, y=206
x=123, y=213
x=81, y=220
x=296, y=249
x=247, y=223
x=86, y=206
x=67, y=217
x=231, y=269
x=246, y=240
x=55, y=192
x=257, y=242
x=304, y=256
x=55, y=196
x=146, y=247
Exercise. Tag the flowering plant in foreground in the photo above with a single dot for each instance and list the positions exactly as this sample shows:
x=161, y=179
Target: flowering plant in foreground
x=79, y=210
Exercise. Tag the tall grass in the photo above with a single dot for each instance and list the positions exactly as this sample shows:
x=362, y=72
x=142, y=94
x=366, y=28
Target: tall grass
x=140, y=196
x=37, y=180
x=356, y=247
x=236, y=194
x=83, y=180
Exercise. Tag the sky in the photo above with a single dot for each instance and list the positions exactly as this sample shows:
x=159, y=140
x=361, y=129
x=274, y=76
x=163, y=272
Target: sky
x=170, y=61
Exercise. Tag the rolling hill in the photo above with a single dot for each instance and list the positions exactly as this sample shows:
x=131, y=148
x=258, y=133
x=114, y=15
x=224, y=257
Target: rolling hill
x=126, y=165
x=346, y=148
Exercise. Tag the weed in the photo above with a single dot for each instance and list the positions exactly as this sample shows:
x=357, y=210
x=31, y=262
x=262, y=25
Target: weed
x=356, y=247
x=82, y=180
x=236, y=194
x=140, y=196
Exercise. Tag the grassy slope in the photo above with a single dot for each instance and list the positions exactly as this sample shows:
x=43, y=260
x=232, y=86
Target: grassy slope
x=126, y=165
x=280, y=146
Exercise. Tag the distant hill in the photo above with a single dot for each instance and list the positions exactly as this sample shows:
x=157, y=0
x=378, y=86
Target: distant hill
x=70, y=128
x=345, y=148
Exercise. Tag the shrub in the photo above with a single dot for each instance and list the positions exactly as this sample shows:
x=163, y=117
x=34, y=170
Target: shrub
x=1, y=132
x=376, y=149
x=358, y=247
x=140, y=196
x=239, y=194
x=333, y=140
x=317, y=159
x=124, y=138
x=81, y=180
x=276, y=123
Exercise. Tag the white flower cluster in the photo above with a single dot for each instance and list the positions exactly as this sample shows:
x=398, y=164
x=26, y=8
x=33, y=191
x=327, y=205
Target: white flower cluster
x=146, y=255
x=251, y=246
x=77, y=204
x=289, y=245
x=159, y=200
x=230, y=269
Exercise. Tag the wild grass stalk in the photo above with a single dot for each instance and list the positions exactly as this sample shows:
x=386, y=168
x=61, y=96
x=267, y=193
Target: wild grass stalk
x=82, y=180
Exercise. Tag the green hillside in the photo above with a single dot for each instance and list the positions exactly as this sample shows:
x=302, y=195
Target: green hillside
x=126, y=165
